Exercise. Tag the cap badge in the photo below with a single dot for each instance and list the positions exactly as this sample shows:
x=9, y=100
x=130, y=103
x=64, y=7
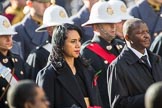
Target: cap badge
x=6, y=24
x=110, y=11
x=123, y=9
x=62, y=14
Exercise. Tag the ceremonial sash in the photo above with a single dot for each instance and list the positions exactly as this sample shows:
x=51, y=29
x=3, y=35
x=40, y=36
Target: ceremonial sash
x=6, y=73
x=97, y=49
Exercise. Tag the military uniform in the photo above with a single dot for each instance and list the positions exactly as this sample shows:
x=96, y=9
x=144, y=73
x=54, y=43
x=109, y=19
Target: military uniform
x=14, y=62
x=152, y=18
x=100, y=64
x=37, y=59
x=27, y=37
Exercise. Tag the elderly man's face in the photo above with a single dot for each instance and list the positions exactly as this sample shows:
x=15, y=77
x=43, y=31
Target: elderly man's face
x=140, y=38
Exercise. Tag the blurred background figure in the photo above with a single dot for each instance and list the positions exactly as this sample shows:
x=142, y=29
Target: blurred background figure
x=156, y=46
x=82, y=16
x=53, y=16
x=14, y=12
x=150, y=12
x=9, y=60
x=153, y=96
x=71, y=6
x=27, y=38
x=27, y=94
x=121, y=10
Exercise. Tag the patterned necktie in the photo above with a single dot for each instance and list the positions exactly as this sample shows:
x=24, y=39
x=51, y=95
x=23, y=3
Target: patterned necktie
x=144, y=58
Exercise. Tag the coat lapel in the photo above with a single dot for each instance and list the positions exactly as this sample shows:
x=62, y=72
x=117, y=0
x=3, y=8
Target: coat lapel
x=92, y=90
x=68, y=81
x=132, y=59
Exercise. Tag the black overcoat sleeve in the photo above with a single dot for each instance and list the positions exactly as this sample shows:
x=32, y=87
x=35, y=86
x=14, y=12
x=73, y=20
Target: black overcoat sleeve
x=118, y=92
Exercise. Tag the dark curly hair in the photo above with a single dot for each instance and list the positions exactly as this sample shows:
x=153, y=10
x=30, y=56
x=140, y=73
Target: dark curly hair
x=58, y=40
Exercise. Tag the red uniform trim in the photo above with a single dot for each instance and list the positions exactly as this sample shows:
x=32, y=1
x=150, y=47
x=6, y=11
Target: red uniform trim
x=97, y=49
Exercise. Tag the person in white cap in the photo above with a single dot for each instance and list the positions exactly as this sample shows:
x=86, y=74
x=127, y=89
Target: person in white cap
x=103, y=48
x=12, y=62
x=27, y=38
x=53, y=16
x=122, y=12
x=82, y=16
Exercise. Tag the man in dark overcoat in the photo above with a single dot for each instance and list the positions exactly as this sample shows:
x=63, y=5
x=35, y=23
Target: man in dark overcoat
x=135, y=69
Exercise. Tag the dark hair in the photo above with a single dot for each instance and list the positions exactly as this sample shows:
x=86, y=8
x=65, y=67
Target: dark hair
x=23, y=92
x=130, y=24
x=153, y=96
x=58, y=39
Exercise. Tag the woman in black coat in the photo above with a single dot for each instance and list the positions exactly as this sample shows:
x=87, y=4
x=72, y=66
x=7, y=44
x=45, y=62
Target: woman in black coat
x=68, y=80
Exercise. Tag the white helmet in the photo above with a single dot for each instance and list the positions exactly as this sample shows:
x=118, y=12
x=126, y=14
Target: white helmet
x=54, y=15
x=5, y=26
x=102, y=12
x=121, y=9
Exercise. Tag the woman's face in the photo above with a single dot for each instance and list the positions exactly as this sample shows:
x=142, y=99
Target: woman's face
x=71, y=48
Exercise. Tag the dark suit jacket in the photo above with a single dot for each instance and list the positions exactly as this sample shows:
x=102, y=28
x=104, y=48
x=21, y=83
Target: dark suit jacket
x=27, y=37
x=129, y=79
x=63, y=90
x=145, y=12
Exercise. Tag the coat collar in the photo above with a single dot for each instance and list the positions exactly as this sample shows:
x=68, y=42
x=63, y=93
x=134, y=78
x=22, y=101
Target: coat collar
x=128, y=55
x=37, y=37
x=68, y=81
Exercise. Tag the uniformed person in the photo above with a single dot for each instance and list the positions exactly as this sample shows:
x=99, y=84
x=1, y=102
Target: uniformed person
x=14, y=12
x=150, y=12
x=121, y=10
x=53, y=16
x=27, y=38
x=8, y=59
x=103, y=48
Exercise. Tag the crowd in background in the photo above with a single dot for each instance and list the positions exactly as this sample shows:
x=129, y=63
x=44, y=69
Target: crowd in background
x=80, y=53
